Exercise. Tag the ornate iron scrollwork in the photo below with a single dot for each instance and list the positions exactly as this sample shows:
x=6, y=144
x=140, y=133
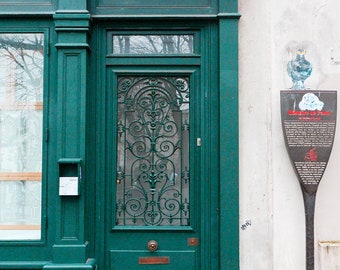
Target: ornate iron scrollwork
x=152, y=151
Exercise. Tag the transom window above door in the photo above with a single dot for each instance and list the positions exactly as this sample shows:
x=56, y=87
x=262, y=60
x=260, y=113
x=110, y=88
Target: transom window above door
x=152, y=44
x=128, y=43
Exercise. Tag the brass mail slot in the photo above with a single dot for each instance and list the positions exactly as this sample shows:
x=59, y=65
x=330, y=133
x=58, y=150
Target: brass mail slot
x=153, y=260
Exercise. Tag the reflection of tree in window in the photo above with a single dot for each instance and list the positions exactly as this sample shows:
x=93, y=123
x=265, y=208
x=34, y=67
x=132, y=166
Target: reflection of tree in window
x=23, y=56
x=153, y=44
x=21, y=101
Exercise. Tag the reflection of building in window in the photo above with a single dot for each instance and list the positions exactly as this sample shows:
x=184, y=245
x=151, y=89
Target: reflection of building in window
x=21, y=101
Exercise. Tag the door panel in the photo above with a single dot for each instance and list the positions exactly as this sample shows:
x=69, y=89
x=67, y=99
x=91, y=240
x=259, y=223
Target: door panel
x=153, y=185
x=163, y=260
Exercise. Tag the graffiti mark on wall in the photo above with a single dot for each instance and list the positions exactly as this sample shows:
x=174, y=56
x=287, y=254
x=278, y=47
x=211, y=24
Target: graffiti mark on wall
x=246, y=225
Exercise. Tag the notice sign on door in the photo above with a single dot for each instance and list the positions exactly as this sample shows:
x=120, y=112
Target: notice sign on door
x=308, y=122
x=68, y=186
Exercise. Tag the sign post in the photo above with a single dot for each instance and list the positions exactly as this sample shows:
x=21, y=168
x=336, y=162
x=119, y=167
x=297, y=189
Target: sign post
x=309, y=121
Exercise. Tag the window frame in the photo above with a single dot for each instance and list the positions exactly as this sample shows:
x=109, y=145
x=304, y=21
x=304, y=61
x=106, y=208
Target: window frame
x=153, y=32
x=45, y=30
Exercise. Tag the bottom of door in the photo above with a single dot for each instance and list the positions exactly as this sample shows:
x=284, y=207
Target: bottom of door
x=164, y=260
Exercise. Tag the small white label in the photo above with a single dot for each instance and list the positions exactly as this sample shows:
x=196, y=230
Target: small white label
x=68, y=186
x=199, y=142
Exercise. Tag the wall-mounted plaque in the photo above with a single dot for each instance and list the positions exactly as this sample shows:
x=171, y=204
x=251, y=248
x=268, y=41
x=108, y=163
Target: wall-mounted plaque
x=308, y=122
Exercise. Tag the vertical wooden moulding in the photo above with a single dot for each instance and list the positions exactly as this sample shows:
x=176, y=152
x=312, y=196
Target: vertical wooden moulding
x=229, y=177
x=72, y=49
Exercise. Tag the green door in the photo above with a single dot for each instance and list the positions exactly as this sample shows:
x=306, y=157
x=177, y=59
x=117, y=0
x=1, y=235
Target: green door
x=157, y=193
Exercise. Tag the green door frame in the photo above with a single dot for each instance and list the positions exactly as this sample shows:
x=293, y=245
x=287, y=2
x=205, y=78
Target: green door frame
x=69, y=56
x=208, y=64
x=229, y=142
x=228, y=137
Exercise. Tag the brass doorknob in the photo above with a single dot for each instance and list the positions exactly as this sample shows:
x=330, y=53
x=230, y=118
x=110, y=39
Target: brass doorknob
x=152, y=245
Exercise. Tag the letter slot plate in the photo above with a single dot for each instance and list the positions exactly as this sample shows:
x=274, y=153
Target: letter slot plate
x=154, y=260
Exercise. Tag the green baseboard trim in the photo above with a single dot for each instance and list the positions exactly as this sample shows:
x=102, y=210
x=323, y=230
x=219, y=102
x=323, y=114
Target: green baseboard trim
x=23, y=265
x=90, y=265
x=69, y=254
x=13, y=265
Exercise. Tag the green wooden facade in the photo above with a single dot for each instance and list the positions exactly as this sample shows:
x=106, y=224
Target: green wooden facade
x=79, y=74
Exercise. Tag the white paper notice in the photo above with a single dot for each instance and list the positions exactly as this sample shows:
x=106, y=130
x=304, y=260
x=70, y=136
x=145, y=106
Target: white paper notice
x=68, y=186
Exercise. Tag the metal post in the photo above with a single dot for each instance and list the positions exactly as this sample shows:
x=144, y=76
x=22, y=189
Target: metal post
x=309, y=201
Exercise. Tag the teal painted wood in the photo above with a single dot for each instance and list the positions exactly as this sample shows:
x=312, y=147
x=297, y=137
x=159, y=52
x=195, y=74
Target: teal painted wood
x=90, y=264
x=68, y=252
x=229, y=189
x=106, y=7
x=135, y=238
x=146, y=8
x=18, y=8
x=96, y=168
x=207, y=97
x=73, y=5
x=31, y=254
x=22, y=265
x=71, y=245
x=209, y=149
x=76, y=22
x=228, y=6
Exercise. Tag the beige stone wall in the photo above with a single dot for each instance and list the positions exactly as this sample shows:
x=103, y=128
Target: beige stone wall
x=271, y=204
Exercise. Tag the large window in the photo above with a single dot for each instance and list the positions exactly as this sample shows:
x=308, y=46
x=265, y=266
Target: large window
x=21, y=103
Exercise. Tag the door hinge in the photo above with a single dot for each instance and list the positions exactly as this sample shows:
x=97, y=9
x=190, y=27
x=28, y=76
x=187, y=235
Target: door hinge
x=47, y=134
x=48, y=45
x=46, y=223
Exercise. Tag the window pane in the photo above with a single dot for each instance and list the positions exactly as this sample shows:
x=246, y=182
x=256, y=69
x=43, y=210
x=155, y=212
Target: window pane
x=21, y=102
x=153, y=151
x=153, y=44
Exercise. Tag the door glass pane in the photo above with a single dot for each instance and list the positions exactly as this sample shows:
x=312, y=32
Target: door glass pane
x=152, y=151
x=21, y=104
x=153, y=44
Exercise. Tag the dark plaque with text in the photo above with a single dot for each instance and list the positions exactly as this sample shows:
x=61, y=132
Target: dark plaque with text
x=308, y=122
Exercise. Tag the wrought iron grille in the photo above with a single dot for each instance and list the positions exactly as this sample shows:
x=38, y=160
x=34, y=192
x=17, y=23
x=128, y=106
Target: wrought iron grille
x=152, y=180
